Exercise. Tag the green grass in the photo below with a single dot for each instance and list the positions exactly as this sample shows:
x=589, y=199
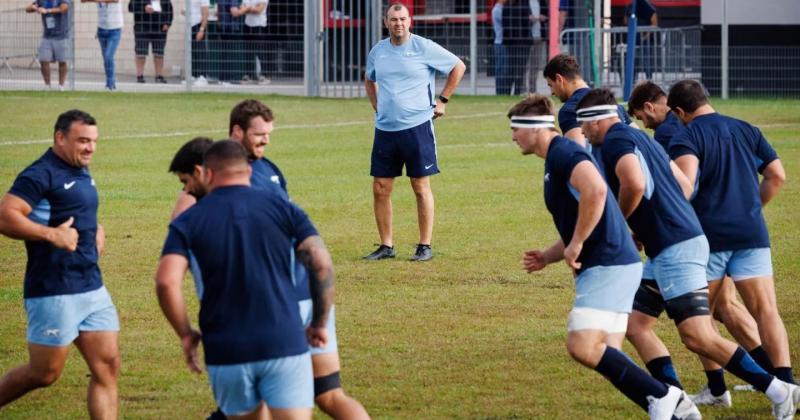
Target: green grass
x=466, y=335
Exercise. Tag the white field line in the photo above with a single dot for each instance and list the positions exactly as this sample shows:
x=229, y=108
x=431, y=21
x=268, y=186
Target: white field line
x=280, y=127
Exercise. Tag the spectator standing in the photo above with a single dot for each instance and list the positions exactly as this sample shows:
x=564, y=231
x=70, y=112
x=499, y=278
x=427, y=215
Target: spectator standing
x=500, y=59
x=151, y=21
x=198, y=18
x=230, y=19
x=255, y=33
x=645, y=42
x=538, y=45
x=517, y=40
x=109, y=31
x=55, y=19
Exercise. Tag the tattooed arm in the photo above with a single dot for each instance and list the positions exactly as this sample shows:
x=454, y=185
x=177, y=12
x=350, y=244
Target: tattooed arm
x=317, y=260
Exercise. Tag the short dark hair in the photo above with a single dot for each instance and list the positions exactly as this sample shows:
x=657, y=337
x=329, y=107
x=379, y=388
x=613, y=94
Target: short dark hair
x=687, y=95
x=190, y=155
x=565, y=65
x=245, y=111
x=534, y=105
x=395, y=5
x=224, y=154
x=646, y=91
x=597, y=97
x=65, y=120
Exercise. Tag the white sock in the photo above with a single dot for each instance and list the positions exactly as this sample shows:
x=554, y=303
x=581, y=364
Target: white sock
x=777, y=392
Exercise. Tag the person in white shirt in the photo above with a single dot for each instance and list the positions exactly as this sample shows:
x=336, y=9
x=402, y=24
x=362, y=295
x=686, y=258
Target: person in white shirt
x=198, y=18
x=255, y=33
x=109, y=32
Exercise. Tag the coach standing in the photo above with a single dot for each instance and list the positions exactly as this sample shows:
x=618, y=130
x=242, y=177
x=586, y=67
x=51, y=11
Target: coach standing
x=52, y=206
x=400, y=85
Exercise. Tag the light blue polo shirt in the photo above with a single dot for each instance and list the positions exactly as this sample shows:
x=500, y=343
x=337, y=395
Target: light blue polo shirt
x=405, y=75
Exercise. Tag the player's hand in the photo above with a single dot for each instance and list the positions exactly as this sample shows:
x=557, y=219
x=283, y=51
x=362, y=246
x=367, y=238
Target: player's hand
x=165, y=28
x=65, y=236
x=533, y=260
x=42, y=11
x=200, y=35
x=317, y=336
x=438, y=111
x=148, y=9
x=571, y=253
x=189, y=344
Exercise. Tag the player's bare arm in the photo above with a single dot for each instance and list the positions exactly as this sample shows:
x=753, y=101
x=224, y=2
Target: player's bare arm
x=100, y=240
x=774, y=177
x=631, y=183
x=14, y=223
x=317, y=260
x=688, y=164
x=686, y=186
x=589, y=183
x=169, y=278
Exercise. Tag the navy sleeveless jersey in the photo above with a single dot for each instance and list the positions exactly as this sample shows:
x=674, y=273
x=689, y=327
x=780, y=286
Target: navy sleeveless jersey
x=610, y=242
x=242, y=240
x=57, y=191
x=731, y=153
x=664, y=217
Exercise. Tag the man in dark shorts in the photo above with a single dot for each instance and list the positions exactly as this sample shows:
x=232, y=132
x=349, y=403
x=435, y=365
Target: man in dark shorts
x=151, y=21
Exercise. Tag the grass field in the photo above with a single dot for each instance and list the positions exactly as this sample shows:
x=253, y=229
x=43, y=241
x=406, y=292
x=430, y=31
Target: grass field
x=466, y=335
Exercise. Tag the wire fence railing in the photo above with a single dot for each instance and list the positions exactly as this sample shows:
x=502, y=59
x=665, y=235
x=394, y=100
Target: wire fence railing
x=319, y=47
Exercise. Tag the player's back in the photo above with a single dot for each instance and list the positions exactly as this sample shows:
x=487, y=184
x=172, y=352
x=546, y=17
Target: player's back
x=730, y=152
x=242, y=239
x=663, y=217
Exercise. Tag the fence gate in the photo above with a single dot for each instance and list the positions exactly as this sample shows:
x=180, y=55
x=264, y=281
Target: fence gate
x=338, y=37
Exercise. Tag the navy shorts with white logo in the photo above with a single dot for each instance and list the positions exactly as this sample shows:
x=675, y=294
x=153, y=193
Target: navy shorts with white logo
x=413, y=147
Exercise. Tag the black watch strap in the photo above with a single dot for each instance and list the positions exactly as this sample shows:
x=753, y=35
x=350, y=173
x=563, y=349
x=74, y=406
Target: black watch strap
x=444, y=99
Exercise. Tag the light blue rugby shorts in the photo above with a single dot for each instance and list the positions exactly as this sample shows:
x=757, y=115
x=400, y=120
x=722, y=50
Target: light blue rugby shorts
x=57, y=320
x=284, y=382
x=681, y=267
x=741, y=264
x=608, y=288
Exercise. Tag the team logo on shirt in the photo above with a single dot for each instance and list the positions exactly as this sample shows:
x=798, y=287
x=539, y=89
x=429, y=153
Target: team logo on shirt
x=93, y=182
x=275, y=179
x=547, y=177
x=68, y=185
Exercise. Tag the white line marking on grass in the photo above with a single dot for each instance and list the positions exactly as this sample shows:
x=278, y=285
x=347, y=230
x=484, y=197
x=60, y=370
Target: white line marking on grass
x=280, y=127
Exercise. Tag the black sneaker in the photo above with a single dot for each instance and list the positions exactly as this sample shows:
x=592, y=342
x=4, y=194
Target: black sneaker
x=424, y=253
x=217, y=415
x=161, y=79
x=139, y=79
x=382, y=252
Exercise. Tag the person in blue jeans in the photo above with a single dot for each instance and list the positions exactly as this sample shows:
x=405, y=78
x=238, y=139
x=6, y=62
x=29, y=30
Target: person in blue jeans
x=109, y=31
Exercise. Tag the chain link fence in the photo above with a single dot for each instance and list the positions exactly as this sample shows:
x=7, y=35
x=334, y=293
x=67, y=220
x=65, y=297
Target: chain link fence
x=320, y=47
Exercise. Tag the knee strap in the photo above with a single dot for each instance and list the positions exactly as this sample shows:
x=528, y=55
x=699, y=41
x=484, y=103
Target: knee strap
x=324, y=384
x=688, y=305
x=648, y=299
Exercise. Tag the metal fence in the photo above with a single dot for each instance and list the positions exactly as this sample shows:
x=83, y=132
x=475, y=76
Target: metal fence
x=320, y=47
x=662, y=55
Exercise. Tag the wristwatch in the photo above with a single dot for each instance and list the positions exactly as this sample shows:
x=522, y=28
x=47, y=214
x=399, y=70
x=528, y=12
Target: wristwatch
x=444, y=99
